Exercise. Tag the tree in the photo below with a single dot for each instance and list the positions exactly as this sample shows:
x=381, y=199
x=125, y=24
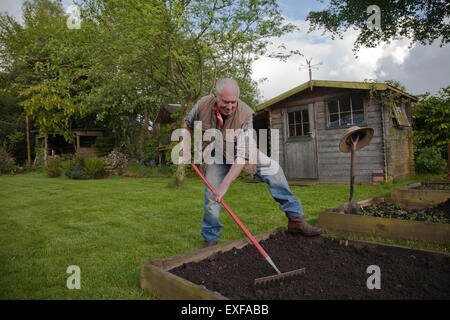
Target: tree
x=431, y=121
x=177, y=49
x=43, y=68
x=22, y=47
x=12, y=126
x=418, y=20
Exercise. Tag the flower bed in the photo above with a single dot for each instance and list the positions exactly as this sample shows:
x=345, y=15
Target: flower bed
x=387, y=226
x=336, y=268
x=422, y=193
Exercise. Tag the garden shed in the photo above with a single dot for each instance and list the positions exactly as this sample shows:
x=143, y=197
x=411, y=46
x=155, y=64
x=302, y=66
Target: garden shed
x=312, y=118
x=56, y=144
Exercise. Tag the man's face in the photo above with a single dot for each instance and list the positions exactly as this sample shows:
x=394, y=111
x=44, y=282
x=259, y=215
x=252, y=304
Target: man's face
x=227, y=101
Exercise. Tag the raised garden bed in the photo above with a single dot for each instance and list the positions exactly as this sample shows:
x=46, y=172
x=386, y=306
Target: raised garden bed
x=439, y=213
x=389, y=226
x=422, y=193
x=336, y=268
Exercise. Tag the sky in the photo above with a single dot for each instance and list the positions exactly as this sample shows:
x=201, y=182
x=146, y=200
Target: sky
x=419, y=68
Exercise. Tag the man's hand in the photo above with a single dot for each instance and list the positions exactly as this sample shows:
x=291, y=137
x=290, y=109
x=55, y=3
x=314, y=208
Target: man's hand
x=220, y=191
x=234, y=172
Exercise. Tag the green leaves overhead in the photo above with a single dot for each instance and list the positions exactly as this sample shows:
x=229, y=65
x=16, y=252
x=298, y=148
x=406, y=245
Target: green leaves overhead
x=431, y=121
x=418, y=20
x=129, y=56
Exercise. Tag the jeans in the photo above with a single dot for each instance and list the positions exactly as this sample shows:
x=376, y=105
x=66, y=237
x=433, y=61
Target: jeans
x=268, y=171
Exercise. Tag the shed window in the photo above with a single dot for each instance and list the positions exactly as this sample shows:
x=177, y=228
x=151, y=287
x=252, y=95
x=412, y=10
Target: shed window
x=298, y=123
x=345, y=111
x=399, y=117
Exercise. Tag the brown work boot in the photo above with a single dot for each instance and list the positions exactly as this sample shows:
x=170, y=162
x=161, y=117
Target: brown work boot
x=210, y=244
x=299, y=225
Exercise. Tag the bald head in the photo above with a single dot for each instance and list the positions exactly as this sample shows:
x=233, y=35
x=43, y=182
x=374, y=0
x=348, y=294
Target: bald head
x=227, y=94
x=227, y=84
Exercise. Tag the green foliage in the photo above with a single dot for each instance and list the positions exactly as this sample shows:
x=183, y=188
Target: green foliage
x=150, y=149
x=12, y=128
x=418, y=20
x=104, y=144
x=78, y=159
x=54, y=168
x=429, y=160
x=137, y=170
x=431, y=121
x=7, y=163
x=128, y=58
x=76, y=173
x=94, y=167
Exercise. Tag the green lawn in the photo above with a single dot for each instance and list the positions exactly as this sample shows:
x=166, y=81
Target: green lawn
x=107, y=227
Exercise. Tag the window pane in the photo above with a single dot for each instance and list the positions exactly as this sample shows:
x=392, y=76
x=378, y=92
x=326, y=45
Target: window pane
x=346, y=118
x=298, y=116
x=305, y=129
x=305, y=116
x=357, y=102
x=299, y=129
x=291, y=130
x=333, y=106
x=344, y=104
x=291, y=117
x=334, y=120
x=358, y=117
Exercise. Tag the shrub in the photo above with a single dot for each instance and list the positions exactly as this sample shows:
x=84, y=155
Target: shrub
x=104, y=144
x=115, y=161
x=93, y=166
x=76, y=173
x=54, y=168
x=7, y=163
x=429, y=160
x=78, y=160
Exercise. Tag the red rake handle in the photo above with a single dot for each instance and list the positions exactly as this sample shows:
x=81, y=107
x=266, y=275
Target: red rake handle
x=235, y=218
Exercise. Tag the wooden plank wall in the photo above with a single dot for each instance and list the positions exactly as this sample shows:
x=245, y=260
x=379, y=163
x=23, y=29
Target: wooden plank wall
x=334, y=166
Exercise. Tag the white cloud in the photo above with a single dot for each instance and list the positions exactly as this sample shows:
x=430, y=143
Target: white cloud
x=12, y=8
x=339, y=62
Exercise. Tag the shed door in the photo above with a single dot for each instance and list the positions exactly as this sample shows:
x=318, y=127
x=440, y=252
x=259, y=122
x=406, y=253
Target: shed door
x=299, y=143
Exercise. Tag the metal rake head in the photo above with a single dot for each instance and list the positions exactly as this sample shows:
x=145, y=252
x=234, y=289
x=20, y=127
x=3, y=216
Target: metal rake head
x=278, y=279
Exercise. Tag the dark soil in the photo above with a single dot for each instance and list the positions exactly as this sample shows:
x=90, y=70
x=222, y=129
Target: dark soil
x=439, y=213
x=333, y=271
x=434, y=186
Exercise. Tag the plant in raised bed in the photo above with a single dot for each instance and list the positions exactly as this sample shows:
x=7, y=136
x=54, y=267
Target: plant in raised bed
x=438, y=214
x=434, y=186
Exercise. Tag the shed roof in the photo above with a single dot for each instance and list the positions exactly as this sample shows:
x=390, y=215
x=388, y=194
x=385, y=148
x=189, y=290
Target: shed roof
x=332, y=84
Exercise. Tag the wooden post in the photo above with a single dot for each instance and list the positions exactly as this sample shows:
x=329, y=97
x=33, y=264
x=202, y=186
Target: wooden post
x=352, y=171
x=354, y=139
x=78, y=143
x=28, y=141
x=45, y=149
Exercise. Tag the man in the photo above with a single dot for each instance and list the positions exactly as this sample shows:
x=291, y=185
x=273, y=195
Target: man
x=224, y=110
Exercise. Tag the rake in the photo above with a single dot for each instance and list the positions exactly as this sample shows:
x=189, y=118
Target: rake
x=265, y=281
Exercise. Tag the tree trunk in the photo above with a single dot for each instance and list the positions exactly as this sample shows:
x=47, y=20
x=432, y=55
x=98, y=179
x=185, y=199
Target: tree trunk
x=28, y=141
x=146, y=122
x=45, y=150
x=181, y=172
